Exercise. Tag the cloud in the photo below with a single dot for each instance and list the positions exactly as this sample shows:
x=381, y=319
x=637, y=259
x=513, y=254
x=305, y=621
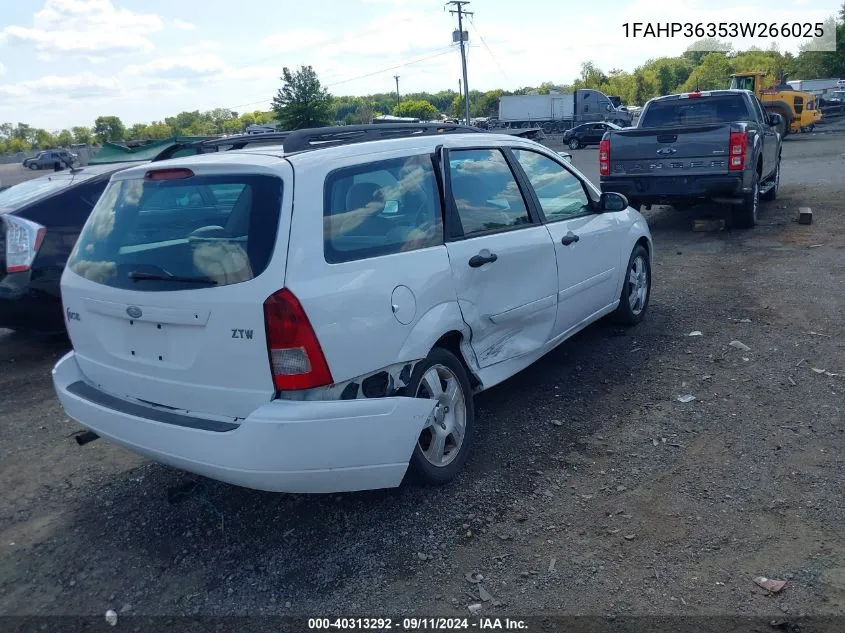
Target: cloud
x=79, y=86
x=182, y=25
x=203, y=46
x=2, y=70
x=293, y=40
x=179, y=67
x=85, y=27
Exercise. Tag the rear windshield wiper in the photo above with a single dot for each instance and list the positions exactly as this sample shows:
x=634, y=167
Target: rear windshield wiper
x=141, y=276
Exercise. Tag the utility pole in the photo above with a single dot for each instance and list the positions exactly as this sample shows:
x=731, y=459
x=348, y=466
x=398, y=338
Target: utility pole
x=461, y=13
x=396, y=77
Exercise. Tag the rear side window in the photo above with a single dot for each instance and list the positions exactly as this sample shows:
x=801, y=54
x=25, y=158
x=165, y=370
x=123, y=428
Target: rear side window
x=381, y=208
x=695, y=111
x=178, y=234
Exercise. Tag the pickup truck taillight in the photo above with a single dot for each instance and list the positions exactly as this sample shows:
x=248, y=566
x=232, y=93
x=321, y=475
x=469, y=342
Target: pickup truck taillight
x=604, y=157
x=23, y=239
x=738, y=150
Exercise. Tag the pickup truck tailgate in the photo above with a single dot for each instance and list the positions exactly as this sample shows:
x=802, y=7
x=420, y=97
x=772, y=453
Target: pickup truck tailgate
x=682, y=151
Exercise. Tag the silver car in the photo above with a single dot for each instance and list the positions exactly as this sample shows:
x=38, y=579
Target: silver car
x=55, y=158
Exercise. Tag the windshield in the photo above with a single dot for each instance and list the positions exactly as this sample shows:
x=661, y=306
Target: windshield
x=165, y=235
x=743, y=83
x=696, y=111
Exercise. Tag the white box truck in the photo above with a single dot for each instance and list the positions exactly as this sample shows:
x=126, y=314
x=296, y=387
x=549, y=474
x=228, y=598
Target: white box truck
x=559, y=112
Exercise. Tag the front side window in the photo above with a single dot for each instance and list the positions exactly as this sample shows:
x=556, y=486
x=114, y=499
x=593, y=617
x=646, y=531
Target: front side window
x=193, y=232
x=560, y=193
x=381, y=208
x=485, y=191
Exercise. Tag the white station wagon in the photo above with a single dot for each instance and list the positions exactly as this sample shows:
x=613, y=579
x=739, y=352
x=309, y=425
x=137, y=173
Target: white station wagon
x=315, y=316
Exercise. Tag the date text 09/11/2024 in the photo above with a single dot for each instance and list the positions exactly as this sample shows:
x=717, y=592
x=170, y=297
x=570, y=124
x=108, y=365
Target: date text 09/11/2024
x=724, y=29
x=416, y=624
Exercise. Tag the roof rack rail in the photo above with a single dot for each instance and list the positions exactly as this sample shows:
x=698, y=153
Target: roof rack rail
x=317, y=138
x=239, y=141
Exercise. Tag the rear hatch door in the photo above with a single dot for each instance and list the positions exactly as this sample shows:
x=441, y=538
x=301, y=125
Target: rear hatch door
x=164, y=291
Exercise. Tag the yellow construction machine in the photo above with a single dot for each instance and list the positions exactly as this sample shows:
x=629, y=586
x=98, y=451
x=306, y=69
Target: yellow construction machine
x=799, y=110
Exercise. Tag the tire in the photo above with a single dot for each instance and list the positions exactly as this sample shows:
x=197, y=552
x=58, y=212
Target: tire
x=443, y=367
x=745, y=215
x=772, y=193
x=633, y=301
x=574, y=143
x=33, y=166
x=635, y=204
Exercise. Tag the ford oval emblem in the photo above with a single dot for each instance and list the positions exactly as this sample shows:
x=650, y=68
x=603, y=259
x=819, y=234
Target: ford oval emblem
x=134, y=312
x=666, y=150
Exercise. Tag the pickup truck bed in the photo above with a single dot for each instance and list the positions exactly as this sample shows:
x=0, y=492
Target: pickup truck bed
x=700, y=147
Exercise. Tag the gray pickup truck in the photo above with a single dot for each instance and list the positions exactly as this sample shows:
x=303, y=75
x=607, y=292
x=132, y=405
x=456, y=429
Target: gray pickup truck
x=719, y=146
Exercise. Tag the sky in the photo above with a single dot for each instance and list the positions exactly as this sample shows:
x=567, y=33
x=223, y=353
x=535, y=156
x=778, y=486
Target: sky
x=64, y=62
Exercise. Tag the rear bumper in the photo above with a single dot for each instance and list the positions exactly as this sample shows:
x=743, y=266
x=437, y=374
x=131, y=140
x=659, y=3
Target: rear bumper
x=22, y=308
x=283, y=446
x=658, y=189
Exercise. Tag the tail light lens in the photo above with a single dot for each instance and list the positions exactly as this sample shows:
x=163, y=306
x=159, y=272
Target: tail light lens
x=738, y=150
x=23, y=239
x=604, y=157
x=296, y=358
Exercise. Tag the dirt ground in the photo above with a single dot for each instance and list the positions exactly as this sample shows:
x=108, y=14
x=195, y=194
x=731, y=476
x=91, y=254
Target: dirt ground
x=591, y=490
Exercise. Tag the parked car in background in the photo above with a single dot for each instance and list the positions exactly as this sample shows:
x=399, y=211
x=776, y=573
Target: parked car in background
x=40, y=220
x=340, y=385
x=51, y=159
x=587, y=134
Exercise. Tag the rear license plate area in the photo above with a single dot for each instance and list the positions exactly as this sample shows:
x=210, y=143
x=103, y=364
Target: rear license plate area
x=147, y=341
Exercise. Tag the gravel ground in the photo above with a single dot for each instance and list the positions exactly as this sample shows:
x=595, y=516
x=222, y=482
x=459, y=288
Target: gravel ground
x=14, y=173
x=591, y=488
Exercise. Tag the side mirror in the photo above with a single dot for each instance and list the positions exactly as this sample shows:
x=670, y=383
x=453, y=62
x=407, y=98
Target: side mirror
x=775, y=119
x=610, y=201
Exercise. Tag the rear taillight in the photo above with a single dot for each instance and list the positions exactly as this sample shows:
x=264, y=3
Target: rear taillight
x=23, y=239
x=296, y=358
x=604, y=157
x=738, y=148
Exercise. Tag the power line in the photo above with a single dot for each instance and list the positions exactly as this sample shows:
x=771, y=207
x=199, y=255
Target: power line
x=461, y=13
x=492, y=56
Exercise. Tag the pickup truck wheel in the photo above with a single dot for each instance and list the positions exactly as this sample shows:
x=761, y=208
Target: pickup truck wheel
x=574, y=143
x=745, y=214
x=636, y=288
x=772, y=193
x=443, y=446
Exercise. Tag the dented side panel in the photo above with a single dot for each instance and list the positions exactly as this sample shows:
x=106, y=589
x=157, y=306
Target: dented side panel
x=510, y=304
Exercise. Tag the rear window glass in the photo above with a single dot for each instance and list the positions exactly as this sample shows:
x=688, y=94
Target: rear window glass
x=696, y=111
x=177, y=234
x=381, y=208
x=22, y=194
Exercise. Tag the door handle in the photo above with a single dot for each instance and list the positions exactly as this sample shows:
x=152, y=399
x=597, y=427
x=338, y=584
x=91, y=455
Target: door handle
x=476, y=261
x=569, y=238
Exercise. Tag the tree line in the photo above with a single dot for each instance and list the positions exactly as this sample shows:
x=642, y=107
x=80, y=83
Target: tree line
x=303, y=102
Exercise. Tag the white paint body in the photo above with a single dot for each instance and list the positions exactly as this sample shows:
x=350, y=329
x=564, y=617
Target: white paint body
x=368, y=315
